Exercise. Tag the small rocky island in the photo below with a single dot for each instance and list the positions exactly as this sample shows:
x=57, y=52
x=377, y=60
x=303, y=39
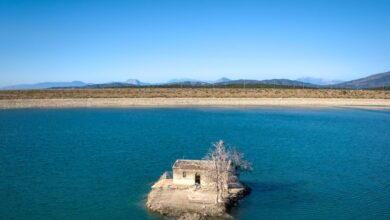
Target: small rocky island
x=197, y=189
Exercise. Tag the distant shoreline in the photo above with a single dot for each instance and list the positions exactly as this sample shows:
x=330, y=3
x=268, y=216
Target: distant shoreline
x=193, y=102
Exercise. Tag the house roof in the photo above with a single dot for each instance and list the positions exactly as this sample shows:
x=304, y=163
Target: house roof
x=193, y=164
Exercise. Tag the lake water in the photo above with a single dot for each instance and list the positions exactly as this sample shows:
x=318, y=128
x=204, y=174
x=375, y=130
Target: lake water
x=100, y=163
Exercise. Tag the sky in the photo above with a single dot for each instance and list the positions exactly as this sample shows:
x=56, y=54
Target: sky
x=155, y=41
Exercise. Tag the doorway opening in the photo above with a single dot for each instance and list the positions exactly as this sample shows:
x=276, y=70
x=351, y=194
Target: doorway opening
x=197, y=179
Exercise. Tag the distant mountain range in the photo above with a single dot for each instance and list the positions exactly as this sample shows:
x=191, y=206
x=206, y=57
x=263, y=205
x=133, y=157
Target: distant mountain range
x=279, y=82
x=45, y=85
x=127, y=83
x=196, y=81
x=373, y=81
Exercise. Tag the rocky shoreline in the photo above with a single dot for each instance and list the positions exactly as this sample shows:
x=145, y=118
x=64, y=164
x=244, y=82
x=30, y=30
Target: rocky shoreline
x=191, y=202
x=185, y=209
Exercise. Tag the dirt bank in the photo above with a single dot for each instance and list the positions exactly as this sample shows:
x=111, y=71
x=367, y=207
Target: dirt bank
x=185, y=102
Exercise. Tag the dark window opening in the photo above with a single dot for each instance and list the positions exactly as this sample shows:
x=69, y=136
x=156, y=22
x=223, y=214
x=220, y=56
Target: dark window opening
x=184, y=174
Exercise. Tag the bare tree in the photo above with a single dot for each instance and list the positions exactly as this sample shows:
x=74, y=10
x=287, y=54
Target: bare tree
x=225, y=162
x=218, y=173
x=238, y=161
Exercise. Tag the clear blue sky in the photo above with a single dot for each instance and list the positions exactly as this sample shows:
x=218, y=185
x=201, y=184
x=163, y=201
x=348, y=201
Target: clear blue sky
x=100, y=41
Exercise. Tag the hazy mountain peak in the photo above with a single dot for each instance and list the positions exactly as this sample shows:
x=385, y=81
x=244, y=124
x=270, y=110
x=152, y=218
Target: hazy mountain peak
x=133, y=81
x=318, y=81
x=223, y=79
x=180, y=80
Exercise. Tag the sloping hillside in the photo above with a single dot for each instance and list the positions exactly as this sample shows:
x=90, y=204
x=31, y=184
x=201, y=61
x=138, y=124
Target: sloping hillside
x=373, y=81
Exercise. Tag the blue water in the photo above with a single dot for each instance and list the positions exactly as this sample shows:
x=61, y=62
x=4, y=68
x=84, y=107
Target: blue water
x=99, y=163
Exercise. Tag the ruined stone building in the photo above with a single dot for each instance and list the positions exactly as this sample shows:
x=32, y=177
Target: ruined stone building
x=196, y=172
x=191, y=172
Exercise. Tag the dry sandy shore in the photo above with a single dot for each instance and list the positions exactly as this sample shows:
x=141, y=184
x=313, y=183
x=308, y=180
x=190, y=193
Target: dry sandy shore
x=190, y=102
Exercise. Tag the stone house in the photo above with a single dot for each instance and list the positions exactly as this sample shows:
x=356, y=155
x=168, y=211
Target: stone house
x=195, y=172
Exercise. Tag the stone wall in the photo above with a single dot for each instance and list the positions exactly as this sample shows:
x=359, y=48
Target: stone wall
x=189, y=178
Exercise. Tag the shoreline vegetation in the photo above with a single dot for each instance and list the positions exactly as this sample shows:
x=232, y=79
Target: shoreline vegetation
x=150, y=92
x=188, y=97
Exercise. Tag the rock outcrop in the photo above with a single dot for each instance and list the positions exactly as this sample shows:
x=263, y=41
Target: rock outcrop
x=168, y=199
